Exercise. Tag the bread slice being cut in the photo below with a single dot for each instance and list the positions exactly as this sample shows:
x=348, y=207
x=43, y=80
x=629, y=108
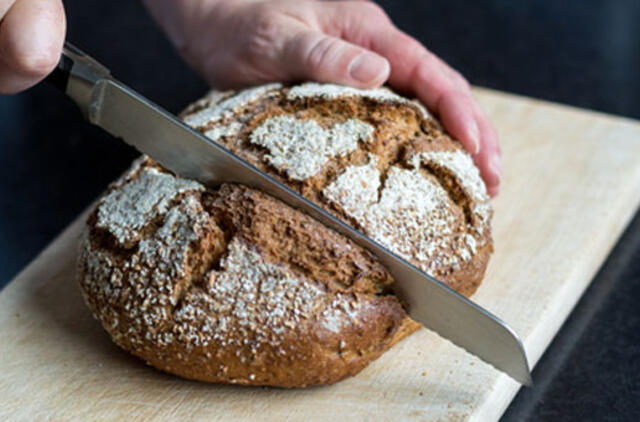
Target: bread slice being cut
x=229, y=285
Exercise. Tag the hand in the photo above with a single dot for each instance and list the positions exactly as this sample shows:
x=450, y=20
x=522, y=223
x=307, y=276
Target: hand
x=31, y=37
x=235, y=43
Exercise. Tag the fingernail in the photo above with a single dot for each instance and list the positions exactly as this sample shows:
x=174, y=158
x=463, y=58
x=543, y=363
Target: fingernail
x=368, y=67
x=474, y=136
x=495, y=164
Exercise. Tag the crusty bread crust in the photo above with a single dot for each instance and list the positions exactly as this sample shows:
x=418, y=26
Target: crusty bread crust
x=230, y=285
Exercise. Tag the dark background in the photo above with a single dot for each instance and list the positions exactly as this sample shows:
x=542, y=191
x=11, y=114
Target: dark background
x=583, y=52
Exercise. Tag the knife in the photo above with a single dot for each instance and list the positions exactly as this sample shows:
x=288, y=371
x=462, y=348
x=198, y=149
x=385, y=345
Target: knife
x=125, y=114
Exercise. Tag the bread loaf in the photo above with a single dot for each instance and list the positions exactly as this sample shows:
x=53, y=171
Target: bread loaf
x=229, y=285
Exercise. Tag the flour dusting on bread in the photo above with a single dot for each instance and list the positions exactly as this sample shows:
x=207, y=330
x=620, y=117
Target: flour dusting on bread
x=302, y=147
x=219, y=108
x=124, y=212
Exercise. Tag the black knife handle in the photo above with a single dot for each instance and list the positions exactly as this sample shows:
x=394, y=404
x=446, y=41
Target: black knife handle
x=77, y=74
x=75, y=63
x=60, y=75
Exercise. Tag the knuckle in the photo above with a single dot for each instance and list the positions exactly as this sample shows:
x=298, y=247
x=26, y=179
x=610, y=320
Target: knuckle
x=424, y=67
x=445, y=80
x=415, y=49
x=266, y=25
x=464, y=83
x=371, y=10
x=320, y=52
x=460, y=81
x=261, y=40
x=362, y=13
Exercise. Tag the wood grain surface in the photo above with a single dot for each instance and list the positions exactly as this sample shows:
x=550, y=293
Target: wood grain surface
x=571, y=184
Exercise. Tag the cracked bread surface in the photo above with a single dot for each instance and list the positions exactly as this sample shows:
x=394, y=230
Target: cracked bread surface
x=230, y=285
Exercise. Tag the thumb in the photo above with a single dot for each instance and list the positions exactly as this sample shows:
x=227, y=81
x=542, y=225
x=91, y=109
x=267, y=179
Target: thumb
x=316, y=56
x=31, y=37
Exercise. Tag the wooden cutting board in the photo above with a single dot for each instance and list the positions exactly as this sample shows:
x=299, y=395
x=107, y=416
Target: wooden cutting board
x=571, y=185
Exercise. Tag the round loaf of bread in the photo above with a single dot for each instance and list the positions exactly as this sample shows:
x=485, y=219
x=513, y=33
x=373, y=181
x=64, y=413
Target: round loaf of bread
x=230, y=285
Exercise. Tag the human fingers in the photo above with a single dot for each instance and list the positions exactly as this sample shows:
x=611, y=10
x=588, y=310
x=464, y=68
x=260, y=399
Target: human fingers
x=31, y=38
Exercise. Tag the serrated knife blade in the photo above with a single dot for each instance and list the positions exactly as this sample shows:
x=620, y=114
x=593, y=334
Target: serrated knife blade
x=126, y=114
